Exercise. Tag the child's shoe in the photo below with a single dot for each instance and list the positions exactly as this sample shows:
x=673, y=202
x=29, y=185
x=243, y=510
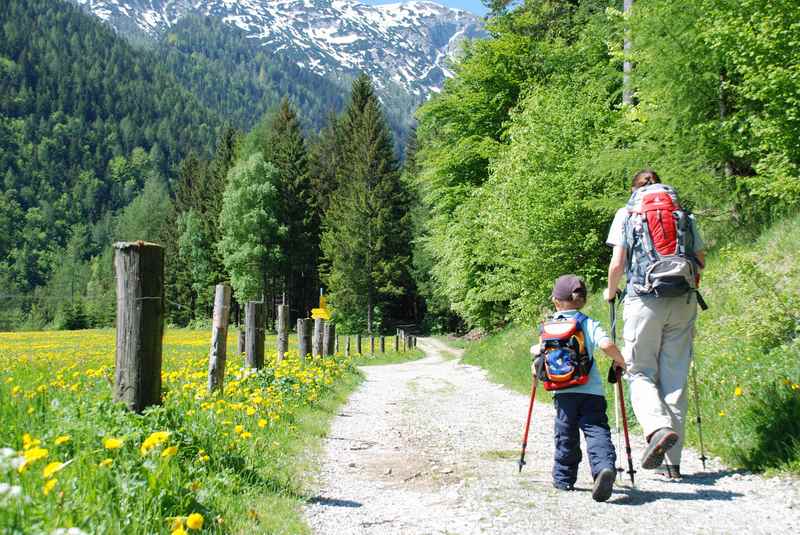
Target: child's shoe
x=603, y=484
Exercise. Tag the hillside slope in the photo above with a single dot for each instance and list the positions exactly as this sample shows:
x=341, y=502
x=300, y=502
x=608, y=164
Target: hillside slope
x=747, y=352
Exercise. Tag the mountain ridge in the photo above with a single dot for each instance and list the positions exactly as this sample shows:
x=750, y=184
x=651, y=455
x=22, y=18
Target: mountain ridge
x=404, y=46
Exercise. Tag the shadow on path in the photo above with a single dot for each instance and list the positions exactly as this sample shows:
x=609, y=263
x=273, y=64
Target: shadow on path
x=334, y=502
x=639, y=497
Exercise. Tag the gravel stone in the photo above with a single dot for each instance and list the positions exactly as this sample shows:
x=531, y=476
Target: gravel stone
x=450, y=439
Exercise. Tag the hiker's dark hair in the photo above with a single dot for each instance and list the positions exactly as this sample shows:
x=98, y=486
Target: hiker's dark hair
x=645, y=177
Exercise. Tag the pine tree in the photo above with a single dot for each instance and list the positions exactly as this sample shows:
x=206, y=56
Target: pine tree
x=364, y=241
x=285, y=148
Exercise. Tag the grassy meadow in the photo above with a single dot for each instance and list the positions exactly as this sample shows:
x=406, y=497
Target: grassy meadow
x=747, y=353
x=233, y=463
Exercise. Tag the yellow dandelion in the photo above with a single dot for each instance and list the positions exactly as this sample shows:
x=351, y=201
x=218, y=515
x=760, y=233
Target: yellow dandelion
x=246, y=434
x=31, y=456
x=239, y=429
x=61, y=440
x=112, y=443
x=51, y=469
x=177, y=523
x=179, y=531
x=105, y=463
x=48, y=486
x=194, y=521
x=262, y=423
x=169, y=452
x=738, y=391
x=722, y=413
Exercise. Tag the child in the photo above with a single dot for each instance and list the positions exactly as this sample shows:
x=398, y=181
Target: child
x=582, y=406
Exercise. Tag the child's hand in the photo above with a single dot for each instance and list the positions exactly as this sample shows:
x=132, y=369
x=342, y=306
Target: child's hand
x=536, y=349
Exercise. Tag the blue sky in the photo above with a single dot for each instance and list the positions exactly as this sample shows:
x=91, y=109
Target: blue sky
x=475, y=6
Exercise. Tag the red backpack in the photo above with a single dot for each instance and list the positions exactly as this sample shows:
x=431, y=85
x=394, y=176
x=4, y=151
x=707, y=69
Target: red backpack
x=660, y=244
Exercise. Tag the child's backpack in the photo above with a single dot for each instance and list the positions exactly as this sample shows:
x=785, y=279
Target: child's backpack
x=659, y=243
x=564, y=360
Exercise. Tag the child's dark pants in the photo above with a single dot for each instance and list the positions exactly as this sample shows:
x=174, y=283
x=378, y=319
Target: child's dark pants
x=586, y=412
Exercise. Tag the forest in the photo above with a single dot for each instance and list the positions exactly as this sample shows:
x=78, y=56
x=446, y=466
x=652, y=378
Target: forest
x=510, y=177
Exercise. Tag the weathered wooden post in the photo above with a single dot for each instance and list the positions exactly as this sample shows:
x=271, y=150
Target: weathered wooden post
x=218, y=353
x=254, y=334
x=358, y=344
x=336, y=344
x=139, y=268
x=316, y=342
x=405, y=340
x=397, y=341
x=282, y=328
x=347, y=346
x=304, y=327
x=329, y=335
x=371, y=344
x=383, y=344
x=240, y=343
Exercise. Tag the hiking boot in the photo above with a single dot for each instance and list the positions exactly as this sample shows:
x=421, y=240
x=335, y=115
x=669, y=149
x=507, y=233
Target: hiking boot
x=660, y=442
x=670, y=471
x=603, y=484
x=562, y=486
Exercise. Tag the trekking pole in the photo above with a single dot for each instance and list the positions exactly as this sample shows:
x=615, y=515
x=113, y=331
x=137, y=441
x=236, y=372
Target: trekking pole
x=631, y=471
x=617, y=430
x=521, y=462
x=620, y=394
x=699, y=419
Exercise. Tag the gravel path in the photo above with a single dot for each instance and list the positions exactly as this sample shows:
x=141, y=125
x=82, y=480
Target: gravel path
x=430, y=447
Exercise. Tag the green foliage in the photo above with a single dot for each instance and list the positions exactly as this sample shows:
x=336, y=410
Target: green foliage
x=365, y=240
x=144, y=218
x=250, y=228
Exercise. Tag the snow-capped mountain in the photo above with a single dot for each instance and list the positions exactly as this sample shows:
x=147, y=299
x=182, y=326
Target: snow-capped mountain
x=408, y=43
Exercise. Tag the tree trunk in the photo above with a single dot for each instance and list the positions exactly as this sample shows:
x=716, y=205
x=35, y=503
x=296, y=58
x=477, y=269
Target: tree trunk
x=318, y=336
x=627, y=66
x=139, y=270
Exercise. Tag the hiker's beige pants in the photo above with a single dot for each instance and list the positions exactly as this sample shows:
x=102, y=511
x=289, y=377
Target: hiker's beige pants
x=658, y=352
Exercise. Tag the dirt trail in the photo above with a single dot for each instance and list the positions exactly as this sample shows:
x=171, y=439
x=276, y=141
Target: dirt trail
x=430, y=447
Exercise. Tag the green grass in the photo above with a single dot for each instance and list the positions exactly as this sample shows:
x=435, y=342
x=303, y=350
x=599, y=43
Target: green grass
x=242, y=459
x=390, y=357
x=747, y=353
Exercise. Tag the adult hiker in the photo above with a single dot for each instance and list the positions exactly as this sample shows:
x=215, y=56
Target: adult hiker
x=659, y=248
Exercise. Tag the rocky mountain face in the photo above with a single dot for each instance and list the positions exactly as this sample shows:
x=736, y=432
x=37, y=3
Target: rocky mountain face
x=404, y=47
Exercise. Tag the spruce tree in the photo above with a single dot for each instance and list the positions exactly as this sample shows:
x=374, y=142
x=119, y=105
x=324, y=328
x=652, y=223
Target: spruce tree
x=364, y=242
x=285, y=148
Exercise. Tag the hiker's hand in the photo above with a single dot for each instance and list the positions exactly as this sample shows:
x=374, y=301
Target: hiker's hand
x=608, y=295
x=536, y=349
x=612, y=372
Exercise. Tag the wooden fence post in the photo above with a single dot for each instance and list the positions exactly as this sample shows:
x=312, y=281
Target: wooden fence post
x=371, y=344
x=218, y=353
x=397, y=341
x=316, y=342
x=347, y=346
x=139, y=268
x=358, y=344
x=383, y=344
x=329, y=335
x=240, y=343
x=304, y=327
x=254, y=334
x=405, y=340
x=282, y=328
x=336, y=344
